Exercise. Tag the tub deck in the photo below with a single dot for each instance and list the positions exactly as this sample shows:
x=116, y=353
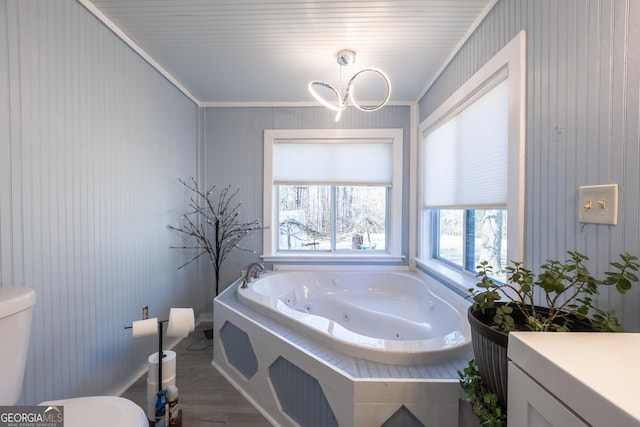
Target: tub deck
x=295, y=381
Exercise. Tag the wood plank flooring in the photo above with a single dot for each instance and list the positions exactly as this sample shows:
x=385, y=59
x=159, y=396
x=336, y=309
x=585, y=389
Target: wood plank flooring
x=206, y=397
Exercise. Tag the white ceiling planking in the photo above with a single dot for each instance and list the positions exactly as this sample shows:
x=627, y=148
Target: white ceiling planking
x=264, y=51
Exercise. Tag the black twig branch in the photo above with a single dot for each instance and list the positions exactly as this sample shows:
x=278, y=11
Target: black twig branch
x=214, y=222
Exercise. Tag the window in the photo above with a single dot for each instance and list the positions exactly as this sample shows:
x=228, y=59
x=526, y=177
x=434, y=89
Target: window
x=309, y=214
x=471, y=168
x=464, y=237
x=333, y=193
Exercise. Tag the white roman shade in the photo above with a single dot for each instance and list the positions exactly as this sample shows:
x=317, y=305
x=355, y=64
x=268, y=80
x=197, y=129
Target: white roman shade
x=465, y=154
x=333, y=162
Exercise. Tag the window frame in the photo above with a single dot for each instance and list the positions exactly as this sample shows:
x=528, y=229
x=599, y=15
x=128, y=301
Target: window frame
x=270, y=236
x=511, y=60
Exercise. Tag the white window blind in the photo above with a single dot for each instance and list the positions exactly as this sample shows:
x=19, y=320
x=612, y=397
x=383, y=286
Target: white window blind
x=333, y=162
x=465, y=155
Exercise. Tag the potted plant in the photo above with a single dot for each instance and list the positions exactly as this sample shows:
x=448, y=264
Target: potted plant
x=483, y=403
x=565, y=291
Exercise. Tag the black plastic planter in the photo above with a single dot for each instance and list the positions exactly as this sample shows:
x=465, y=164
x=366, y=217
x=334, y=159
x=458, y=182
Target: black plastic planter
x=490, y=346
x=490, y=352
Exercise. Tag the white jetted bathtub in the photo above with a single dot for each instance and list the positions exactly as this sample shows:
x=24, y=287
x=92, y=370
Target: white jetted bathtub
x=391, y=317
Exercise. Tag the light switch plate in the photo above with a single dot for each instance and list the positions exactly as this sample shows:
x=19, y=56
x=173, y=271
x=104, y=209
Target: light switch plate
x=598, y=204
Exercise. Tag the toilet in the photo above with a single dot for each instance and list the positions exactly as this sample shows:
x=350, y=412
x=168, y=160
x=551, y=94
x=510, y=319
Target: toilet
x=100, y=411
x=16, y=305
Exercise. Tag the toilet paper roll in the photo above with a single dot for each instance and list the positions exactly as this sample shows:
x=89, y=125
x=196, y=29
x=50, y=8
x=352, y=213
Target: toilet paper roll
x=151, y=410
x=168, y=366
x=143, y=328
x=181, y=322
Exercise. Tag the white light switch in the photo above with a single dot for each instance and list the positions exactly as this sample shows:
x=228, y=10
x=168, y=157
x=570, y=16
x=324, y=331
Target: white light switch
x=598, y=204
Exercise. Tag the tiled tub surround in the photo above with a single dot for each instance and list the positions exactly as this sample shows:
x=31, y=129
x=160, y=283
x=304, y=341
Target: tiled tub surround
x=294, y=379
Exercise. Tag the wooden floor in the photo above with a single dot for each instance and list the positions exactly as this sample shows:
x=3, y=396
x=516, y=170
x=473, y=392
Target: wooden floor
x=206, y=397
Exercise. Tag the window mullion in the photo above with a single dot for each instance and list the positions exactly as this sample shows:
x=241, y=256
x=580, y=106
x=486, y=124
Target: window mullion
x=435, y=234
x=469, y=247
x=333, y=223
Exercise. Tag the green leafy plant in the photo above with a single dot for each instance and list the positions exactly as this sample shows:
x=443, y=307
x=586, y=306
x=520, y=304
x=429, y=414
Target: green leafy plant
x=567, y=290
x=484, y=404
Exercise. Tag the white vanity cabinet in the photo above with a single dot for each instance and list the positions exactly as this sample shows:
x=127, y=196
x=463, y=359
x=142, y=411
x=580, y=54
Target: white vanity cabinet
x=574, y=379
x=530, y=405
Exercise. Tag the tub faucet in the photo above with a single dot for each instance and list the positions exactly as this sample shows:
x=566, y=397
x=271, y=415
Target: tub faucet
x=254, y=271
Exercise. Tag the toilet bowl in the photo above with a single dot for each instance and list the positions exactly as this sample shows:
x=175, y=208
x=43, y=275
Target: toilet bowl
x=16, y=306
x=100, y=411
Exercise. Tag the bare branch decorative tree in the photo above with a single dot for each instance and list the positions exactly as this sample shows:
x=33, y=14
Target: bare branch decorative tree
x=213, y=220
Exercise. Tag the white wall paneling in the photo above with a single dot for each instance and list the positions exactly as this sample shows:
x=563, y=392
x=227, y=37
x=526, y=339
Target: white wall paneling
x=92, y=141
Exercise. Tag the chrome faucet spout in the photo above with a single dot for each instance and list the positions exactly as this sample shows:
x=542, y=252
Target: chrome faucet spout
x=253, y=271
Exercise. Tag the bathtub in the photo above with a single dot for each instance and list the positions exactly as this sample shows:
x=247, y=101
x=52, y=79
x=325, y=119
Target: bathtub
x=391, y=317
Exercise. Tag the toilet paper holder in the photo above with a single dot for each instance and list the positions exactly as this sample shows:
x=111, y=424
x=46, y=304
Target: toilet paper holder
x=161, y=354
x=181, y=321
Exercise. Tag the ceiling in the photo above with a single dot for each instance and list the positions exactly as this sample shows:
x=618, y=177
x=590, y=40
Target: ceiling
x=266, y=51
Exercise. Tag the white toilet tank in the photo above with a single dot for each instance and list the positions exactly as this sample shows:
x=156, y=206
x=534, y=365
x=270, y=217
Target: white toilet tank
x=16, y=306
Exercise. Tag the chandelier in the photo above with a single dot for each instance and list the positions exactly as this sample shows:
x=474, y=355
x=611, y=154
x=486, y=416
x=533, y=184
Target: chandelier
x=345, y=58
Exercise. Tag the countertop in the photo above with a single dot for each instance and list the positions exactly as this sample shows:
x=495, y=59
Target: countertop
x=595, y=374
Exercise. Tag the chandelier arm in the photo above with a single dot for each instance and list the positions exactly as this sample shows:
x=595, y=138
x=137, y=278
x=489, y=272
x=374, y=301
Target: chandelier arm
x=341, y=103
x=350, y=90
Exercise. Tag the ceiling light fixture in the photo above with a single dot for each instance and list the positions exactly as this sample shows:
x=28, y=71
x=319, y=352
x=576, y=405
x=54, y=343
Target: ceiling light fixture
x=345, y=58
